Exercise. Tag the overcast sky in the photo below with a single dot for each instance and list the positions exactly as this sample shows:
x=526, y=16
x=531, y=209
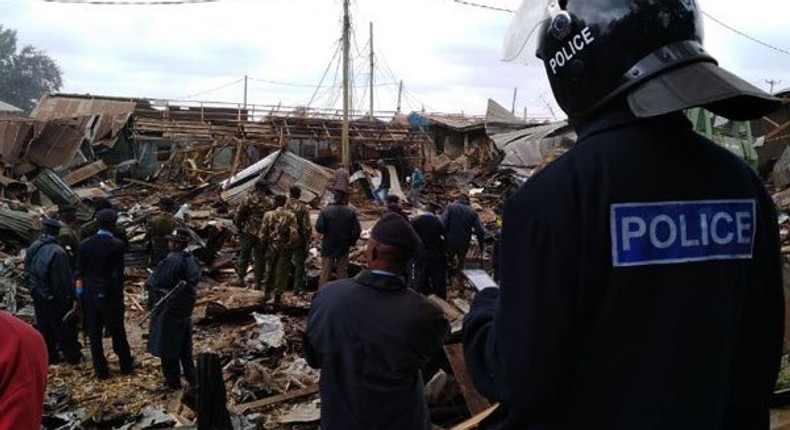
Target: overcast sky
x=447, y=54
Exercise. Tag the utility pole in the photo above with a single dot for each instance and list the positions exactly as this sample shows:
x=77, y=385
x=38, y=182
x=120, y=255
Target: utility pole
x=372, y=71
x=400, y=94
x=772, y=82
x=515, y=95
x=245, y=92
x=346, y=152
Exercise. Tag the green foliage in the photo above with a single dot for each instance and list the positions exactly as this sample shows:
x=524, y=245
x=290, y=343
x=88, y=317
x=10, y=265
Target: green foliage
x=25, y=74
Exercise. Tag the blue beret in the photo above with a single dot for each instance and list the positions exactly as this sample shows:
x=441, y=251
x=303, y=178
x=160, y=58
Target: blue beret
x=392, y=229
x=106, y=215
x=51, y=223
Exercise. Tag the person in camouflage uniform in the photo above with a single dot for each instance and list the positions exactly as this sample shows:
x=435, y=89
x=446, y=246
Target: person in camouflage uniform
x=281, y=233
x=159, y=226
x=305, y=230
x=91, y=227
x=70, y=234
x=248, y=219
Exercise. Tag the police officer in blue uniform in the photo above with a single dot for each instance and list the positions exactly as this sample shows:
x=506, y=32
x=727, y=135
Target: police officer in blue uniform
x=640, y=275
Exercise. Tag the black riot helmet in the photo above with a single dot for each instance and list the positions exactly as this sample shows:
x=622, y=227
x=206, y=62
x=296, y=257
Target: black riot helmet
x=647, y=51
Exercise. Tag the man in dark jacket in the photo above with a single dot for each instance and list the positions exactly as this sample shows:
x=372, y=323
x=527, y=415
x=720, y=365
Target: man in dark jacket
x=460, y=221
x=393, y=205
x=430, y=266
x=631, y=298
x=341, y=229
x=50, y=281
x=371, y=336
x=100, y=267
x=170, y=334
x=90, y=228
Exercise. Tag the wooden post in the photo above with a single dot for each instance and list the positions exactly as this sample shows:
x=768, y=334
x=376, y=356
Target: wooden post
x=346, y=151
x=212, y=402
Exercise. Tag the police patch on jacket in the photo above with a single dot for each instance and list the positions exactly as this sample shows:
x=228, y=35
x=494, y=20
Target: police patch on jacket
x=682, y=232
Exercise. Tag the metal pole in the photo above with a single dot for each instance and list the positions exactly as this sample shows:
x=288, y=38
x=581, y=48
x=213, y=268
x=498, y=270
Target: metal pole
x=400, y=94
x=515, y=95
x=346, y=153
x=372, y=71
x=245, y=92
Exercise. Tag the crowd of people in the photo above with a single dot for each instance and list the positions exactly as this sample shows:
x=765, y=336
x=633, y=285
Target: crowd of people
x=637, y=289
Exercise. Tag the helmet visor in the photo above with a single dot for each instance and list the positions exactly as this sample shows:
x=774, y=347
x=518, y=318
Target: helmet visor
x=521, y=40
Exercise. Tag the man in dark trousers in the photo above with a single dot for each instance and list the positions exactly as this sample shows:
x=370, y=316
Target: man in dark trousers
x=460, y=221
x=100, y=267
x=170, y=334
x=430, y=265
x=371, y=336
x=249, y=219
x=631, y=298
x=341, y=229
x=50, y=281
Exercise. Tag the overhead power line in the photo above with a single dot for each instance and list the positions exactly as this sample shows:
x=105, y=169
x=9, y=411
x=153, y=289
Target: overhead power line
x=484, y=6
x=132, y=2
x=229, y=84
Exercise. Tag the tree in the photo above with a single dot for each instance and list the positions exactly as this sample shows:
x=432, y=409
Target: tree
x=26, y=74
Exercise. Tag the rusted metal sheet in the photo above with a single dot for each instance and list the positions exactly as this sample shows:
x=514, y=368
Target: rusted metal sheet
x=85, y=172
x=58, y=142
x=65, y=106
x=15, y=134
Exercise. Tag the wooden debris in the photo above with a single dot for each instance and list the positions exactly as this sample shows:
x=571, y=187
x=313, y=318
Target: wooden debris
x=276, y=399
x=472, y=423
x=84, y=172
x=474, y=400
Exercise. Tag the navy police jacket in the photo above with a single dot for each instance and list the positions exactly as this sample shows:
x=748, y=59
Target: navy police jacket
x=640, y=288
x=371, y=336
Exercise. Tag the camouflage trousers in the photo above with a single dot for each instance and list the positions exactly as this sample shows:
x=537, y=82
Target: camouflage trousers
x=251, y=249
x=297, y=262
x=278, y=273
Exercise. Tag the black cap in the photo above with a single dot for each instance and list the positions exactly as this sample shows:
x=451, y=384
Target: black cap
x=101, y=203
x=106, y=215
x=392, y=229
x=67, y=209
x=392, y=199
x=51, y=223
x=180, y=234
x=167, y=203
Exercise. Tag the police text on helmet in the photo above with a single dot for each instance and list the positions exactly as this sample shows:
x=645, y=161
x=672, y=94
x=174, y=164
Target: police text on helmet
x=575, y=44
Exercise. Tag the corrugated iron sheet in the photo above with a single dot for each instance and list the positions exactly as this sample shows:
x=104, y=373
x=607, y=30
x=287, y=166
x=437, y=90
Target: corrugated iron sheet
x=49, y=183
x=14, y=137
x=58, y=142
x=61, y=107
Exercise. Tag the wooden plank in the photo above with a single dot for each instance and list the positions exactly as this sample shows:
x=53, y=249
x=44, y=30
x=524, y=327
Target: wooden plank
x=474, y=400
x=291, y=395
x=84, y=172
x=472, y=423
x=145, y=184
x=451, y=312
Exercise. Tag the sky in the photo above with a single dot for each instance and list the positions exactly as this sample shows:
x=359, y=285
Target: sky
x=447, y=54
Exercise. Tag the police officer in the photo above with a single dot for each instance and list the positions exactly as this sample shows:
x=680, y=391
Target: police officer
x=50, y=279
x=372, y=336
x=159, y=226
x=460, y=220
x=170, y=335
x=70, y=234
x=101, y=269
x=90, y=228
x=305, y=229
x=641, y=281
x=248, y=219
x=280, y=233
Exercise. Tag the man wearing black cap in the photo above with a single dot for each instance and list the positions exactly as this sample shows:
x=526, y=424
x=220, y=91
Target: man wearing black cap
x=341, y=229
x=393, y=206
x=633, y=298
x=50, y=280
x=430, y=265
x=170, y=334
x=100, y=268
x=460, y=220
x=158, y=227
x=90, y=228
x=371, y=336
